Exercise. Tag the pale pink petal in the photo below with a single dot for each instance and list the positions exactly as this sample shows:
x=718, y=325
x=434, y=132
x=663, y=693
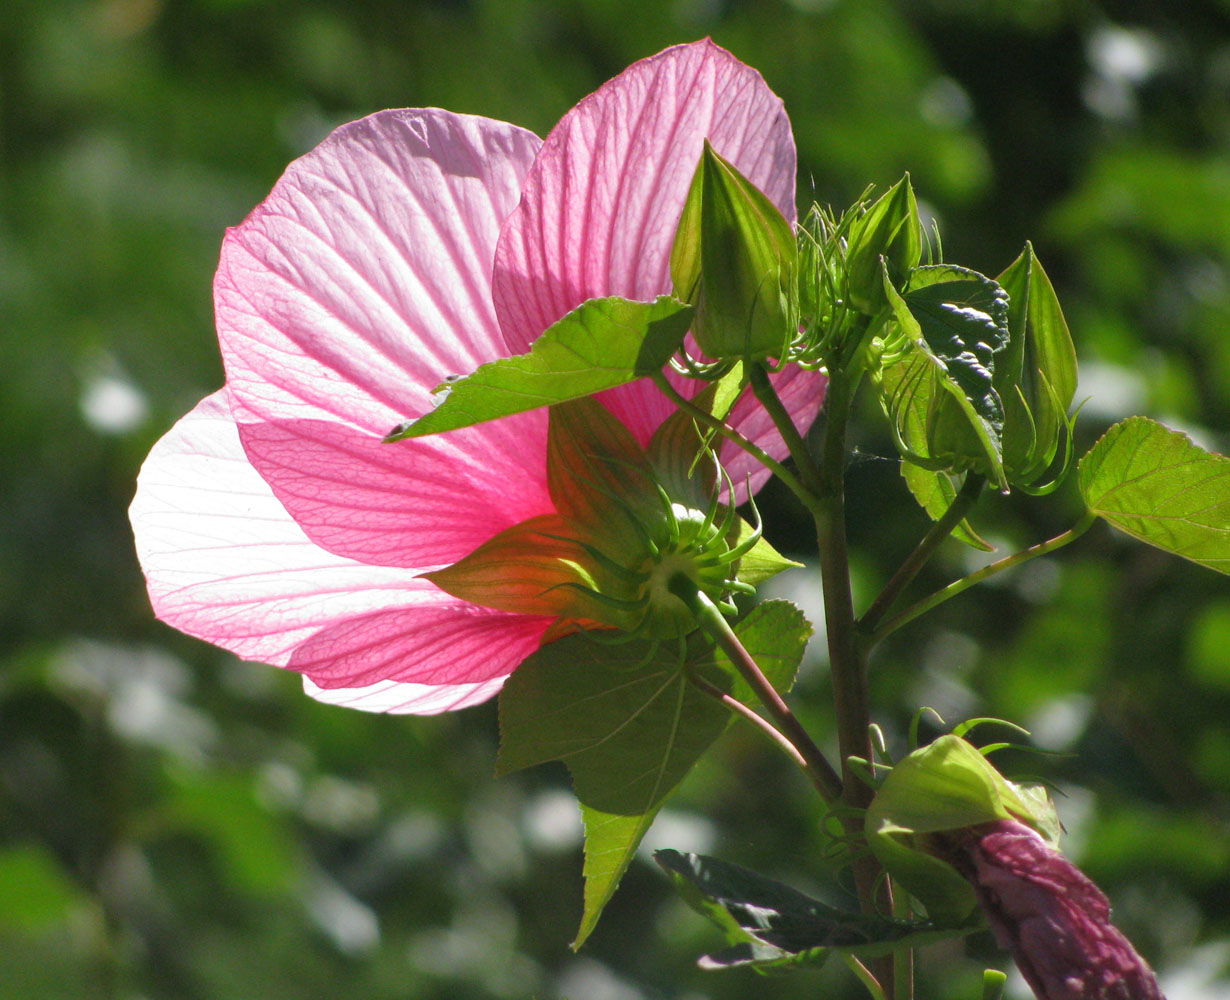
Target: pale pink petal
x=439, y=646
x=603, y=200
x=399, y=699
x=225, y=562
x=421, y=503
x=363, y=280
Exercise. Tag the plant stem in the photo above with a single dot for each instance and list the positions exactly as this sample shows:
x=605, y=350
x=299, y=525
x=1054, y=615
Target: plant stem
x=787, y=477
x=742, y=710
x=957, y=586
x=965, y=499
x=847, y=663
x=767, y=395
x=821, y=772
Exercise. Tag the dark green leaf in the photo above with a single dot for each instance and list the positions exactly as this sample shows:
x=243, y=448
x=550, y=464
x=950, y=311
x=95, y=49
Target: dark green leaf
x=1158, y=486
x=935, y=383
x=629, y=725
x=599, y=345
x=770, y=924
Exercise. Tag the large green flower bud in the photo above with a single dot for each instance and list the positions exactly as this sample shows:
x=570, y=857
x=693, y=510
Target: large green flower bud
x=734, y=259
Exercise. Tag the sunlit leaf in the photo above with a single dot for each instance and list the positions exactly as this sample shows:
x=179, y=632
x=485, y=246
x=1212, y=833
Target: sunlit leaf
x=599, y=345
x=1157, y=485
x=935, y=491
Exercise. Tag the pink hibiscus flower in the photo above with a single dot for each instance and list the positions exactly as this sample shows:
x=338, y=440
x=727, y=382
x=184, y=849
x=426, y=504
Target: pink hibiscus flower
x=408, y=246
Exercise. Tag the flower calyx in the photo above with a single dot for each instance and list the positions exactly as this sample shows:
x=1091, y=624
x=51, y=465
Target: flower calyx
x=630, y=526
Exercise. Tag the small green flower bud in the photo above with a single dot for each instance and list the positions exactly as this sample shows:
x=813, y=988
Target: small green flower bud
x=734, y=259
x=1035, y=375
x=889, y=229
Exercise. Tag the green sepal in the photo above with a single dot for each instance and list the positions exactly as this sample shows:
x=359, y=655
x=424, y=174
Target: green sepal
x=887, y=237
x=734, y=258
x=946, y=785
x=601, y=344
x=769, y=925
x=629, y=724
x=1159, y=486
x=1035, y=375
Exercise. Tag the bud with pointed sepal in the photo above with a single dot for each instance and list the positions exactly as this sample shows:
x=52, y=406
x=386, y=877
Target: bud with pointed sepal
x=1035, y=375
x=889, y=229
x=735, y=259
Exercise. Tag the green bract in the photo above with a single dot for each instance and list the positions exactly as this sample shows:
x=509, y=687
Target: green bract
x=946, y=785
x=627, y=521
x=734, y=259
x=887, y=232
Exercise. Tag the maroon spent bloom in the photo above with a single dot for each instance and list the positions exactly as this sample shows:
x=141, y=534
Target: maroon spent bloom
x=1049, y=914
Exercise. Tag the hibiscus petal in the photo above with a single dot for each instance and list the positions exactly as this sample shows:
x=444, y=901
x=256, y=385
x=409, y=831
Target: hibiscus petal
x=400, y=699
x=363, y=280
x=603, y=199
x=420, y=503
x=440, y=646
x=801, y=393
x=225, y=562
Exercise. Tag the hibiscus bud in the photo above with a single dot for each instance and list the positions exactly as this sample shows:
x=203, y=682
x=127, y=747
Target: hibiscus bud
x=887, y=237
x=1052, y=918
x=734, y=259
x=1035, y=375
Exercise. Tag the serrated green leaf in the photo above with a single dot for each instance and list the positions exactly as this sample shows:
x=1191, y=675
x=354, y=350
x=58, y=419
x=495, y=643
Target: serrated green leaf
x=599, y=345
x=1157, y=485
x=629, y=725
x=935, y=491
x=770, y=924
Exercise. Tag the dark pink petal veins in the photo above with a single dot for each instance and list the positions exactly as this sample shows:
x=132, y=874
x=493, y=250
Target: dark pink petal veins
x=440, y=646
x=603, y=199
x=363, y=280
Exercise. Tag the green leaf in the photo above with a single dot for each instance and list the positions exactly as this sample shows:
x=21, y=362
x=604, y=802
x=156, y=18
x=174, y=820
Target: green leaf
x=35, y=890
x=1156, y=485
x=629, y=725
x=599, y=345
x=935, y=491
x=770, y=924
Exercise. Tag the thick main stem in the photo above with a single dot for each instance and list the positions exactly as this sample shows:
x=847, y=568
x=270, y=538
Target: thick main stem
x=851, y=699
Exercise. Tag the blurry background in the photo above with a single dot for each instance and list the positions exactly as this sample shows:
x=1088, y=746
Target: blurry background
x=176, y=825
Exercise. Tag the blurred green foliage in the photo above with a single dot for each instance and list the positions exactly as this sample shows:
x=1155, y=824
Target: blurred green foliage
x=174, y=824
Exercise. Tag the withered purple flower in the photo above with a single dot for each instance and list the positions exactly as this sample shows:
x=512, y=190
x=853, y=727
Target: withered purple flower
x=1049, y=914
